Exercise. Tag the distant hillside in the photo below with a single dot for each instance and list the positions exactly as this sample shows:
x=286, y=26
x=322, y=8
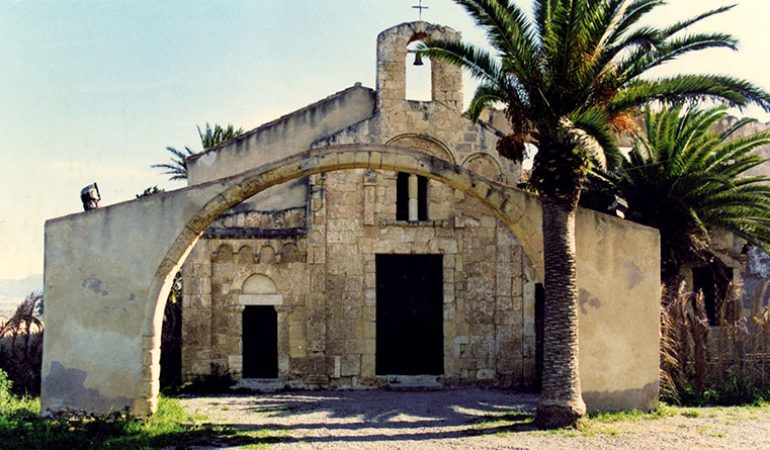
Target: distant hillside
x=12, y=292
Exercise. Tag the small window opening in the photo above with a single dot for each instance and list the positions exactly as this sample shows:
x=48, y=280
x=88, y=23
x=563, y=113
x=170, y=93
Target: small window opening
x=418, y=77
x=403, y=197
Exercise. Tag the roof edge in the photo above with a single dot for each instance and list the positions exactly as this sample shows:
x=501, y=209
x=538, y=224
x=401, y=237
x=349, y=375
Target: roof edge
x=280, y=119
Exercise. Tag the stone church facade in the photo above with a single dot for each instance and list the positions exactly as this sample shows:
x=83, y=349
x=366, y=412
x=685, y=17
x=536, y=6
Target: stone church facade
x=363, y=278
x=306, y=264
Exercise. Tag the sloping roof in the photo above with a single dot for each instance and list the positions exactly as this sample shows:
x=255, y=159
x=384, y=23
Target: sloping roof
x=320, y=104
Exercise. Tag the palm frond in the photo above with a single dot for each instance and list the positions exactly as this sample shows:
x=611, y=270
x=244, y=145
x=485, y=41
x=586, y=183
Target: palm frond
x=595, y=123
x=507, y=26
x=731, y=91
x=686, y=179
x=478, y=61
x=737, y=126
x=485, y=96
x=643, y=60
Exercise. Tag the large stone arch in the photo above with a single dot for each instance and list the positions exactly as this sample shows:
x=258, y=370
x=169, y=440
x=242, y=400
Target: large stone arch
x=98, y=293
x=174, y=221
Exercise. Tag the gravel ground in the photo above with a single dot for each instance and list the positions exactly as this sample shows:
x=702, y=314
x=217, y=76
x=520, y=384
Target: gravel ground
x=462, y=419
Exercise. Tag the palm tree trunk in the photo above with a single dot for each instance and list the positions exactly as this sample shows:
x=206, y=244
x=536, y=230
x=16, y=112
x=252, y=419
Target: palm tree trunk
x=561, y=403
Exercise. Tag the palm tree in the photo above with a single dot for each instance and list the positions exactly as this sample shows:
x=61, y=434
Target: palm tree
x=211, y=138
x=171, y=336
x=685, y=179
x=569, y=79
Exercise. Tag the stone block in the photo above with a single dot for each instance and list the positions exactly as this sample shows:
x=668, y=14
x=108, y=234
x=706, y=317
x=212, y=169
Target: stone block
x=354, y=284
x=449, y=312
x=298, y=348
x=335, y=347
x=297, y=330
x=370, y=280
x=336, y=366
x=370, y=297
x=355, y=346
x=449, y=292
x=369, y=314
x=350, y=365
x=370, y=330
x=485, y=374
x=367, y=365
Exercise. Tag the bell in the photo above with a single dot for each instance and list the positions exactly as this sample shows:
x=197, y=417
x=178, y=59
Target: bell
x=418, y=59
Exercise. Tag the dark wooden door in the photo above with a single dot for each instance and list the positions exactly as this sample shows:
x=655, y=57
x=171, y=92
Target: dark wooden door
x=410, y=325
x=260, y=342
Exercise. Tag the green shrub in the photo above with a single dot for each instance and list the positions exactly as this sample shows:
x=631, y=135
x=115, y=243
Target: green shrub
x=22, y=428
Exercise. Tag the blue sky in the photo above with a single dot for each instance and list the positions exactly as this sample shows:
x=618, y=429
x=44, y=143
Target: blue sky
x=95, y=90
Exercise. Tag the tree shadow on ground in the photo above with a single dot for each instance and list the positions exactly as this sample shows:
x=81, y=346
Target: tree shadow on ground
x=375, y=416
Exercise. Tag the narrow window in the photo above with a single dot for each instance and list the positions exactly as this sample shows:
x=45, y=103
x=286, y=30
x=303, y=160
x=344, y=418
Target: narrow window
x=411, y=205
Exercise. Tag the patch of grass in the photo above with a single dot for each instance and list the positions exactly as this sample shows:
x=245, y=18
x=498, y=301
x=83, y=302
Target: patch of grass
x=691, y=413
x=501, y=425
x=754, y=411
x=622, y=416
x=597, y=423
x=585, y=428
x=171, y=426
x=706, y=430
x=589, y=428
x=263, y=438
x=504, y=420
x=636, y=415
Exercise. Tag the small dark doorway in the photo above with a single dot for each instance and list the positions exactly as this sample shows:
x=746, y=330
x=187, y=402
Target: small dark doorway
x=714, y=282
x=260, y=342
x=410, y=319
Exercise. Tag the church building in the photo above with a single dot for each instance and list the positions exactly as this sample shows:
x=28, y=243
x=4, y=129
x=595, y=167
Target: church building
x=364, y=241
x=364, y=278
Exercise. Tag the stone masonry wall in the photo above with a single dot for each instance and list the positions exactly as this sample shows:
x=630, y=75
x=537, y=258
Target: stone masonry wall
x=327, y=322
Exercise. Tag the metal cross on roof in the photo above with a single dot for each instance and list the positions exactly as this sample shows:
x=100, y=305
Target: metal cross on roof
x=420, y=8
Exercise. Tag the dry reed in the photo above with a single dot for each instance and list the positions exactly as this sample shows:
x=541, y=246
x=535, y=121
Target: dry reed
x=21, y=346
x=724, y=364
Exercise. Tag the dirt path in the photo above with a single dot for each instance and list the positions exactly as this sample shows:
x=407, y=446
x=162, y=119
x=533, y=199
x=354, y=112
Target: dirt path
x=462, y=419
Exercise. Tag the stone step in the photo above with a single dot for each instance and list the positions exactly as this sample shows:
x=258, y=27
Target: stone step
x=260, y=385
x=414, y=382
